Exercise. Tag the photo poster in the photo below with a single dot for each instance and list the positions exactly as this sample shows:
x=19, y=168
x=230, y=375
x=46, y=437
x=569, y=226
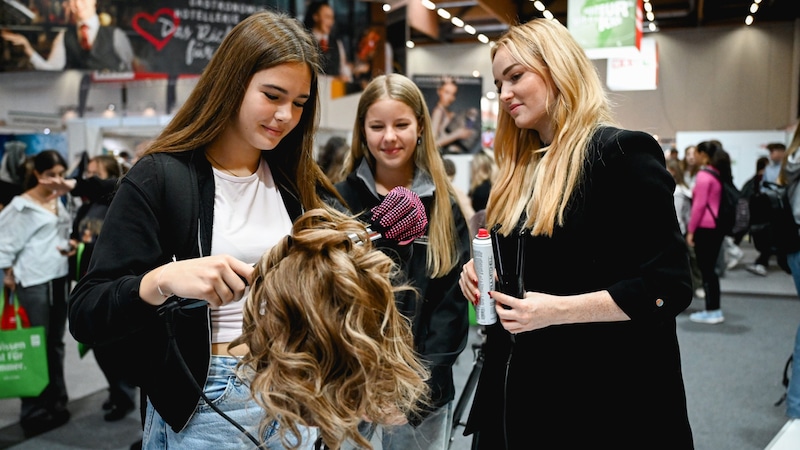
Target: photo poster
x=459, y=131
x=166, y=37
x=15, y=148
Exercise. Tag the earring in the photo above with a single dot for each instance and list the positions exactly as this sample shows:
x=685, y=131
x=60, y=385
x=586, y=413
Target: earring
x=419, y=140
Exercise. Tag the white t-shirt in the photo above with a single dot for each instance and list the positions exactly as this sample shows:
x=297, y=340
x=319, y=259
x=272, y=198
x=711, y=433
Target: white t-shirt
x=249, y=219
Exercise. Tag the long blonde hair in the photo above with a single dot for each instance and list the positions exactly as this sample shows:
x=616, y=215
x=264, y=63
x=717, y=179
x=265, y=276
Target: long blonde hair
x=442, y=252
x=327, y=345
x=262, y=40
x=533, y=178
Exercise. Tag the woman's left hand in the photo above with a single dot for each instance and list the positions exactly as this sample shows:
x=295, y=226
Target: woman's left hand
x=524, y=314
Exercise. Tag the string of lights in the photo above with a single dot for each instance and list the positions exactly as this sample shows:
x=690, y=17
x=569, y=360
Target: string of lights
x=753, y=8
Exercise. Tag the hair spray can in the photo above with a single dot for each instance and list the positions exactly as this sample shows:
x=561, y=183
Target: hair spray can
x=485, y=313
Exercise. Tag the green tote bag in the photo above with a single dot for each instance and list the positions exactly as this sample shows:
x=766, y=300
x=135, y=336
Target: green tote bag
x=23, y=354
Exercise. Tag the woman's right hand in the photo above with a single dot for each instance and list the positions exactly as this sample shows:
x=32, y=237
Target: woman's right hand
x=218, y=280
x=469, y=282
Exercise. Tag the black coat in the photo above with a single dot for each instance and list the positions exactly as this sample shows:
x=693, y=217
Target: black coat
x=164, y=205
x=440, y=318
x=599, y=385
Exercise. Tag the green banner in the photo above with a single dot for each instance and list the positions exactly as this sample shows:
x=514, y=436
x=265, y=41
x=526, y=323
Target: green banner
x=606, y=28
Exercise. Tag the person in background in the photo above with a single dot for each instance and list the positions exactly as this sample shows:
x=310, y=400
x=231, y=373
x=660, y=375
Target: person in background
x=393, y=145
x=762, y=240
x=682, y=195
x=751, y=187
x=603, y=264
x=703, y=233
x=463, y=199
x=480, y=183
x=87, y=44
x=789, y=177
x=34, y=248
x=331, y=157
x=319, y=19
x=221, y=184
x=86, y=227
x=690, y=165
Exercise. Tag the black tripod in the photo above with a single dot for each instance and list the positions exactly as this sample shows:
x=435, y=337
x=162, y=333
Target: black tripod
x=469, y=388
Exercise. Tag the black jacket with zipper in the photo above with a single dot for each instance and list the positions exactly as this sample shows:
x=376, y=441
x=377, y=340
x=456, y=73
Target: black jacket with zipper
x=440, y=318
x=164, y=206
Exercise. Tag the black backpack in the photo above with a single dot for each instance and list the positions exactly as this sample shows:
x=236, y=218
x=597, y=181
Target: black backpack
x=732, y=217
x=772, y=219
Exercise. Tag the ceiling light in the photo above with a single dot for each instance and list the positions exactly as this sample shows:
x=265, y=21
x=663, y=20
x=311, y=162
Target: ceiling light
x=410, y=44
x=457, y=22
x=482, y=37
x=387, y=7
x=428, y=4
x=470, y=29
x=748, y=20
x=443, y=13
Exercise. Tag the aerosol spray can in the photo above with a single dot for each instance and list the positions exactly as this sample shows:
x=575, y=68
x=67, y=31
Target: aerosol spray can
x=485, y=313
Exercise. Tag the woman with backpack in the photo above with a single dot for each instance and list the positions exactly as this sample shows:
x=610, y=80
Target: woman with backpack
x=704, y=234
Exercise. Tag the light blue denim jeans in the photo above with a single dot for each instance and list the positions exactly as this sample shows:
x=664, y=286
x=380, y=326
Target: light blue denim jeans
x=793, y=393
x=207, y=429
x=432, y=434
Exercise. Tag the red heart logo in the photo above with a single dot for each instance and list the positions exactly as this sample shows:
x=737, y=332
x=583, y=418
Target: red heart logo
x=170, y=25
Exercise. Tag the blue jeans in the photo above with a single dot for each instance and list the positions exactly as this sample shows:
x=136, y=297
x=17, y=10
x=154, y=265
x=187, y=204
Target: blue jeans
x=207, y=429
x=793, y=393
x=432, y=434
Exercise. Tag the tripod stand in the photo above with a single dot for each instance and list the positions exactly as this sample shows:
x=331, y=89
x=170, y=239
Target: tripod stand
x=469, y=388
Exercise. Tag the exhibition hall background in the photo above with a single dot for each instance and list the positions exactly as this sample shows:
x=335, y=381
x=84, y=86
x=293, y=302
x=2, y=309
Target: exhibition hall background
x=710, y=79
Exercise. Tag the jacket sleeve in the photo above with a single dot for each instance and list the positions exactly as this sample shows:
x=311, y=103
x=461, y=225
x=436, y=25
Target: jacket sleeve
x=651, y=276
x=105, y=305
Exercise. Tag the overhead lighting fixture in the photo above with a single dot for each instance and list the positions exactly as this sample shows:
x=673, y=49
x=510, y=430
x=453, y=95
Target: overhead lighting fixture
x=456, y=21
x=410, y=44
x=387, y=7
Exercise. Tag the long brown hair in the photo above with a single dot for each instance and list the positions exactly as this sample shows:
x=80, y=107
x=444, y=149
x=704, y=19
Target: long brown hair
x=263, y=40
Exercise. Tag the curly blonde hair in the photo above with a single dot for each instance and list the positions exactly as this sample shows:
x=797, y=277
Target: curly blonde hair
x=327, y=345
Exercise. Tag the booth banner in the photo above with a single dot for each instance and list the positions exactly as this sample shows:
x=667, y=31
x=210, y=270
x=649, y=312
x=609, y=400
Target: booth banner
x=156, y=37
x=635, y=73
x=606, y=28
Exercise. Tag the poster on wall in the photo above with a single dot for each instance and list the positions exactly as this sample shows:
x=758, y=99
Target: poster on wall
x=454, y=103
x=119, y=40
x=14, y=149
x=107, y=36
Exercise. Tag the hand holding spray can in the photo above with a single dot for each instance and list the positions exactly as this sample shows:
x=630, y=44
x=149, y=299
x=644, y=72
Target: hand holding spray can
x=485, y=313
